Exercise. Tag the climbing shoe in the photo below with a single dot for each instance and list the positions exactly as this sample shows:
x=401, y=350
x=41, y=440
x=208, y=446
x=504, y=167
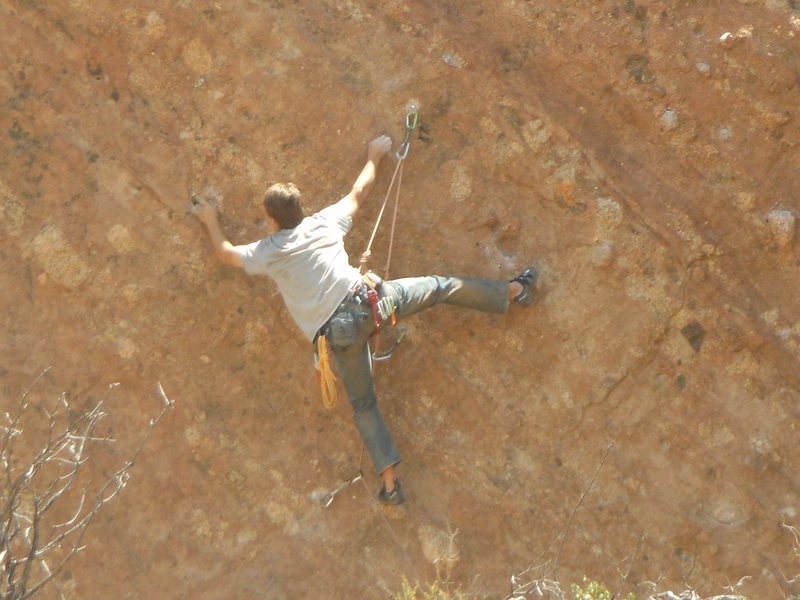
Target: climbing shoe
x=527, y=279
x=394, y=497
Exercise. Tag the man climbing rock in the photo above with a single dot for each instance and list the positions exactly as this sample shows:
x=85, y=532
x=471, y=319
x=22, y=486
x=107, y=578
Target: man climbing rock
x=332, y=302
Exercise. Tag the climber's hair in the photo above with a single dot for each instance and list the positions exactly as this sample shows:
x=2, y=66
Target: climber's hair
x=282, y=203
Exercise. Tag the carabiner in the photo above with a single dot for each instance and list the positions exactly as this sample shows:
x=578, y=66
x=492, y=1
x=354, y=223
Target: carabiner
x=411, y=124
x=402, y=151
x=388, y=353
x=411, y=117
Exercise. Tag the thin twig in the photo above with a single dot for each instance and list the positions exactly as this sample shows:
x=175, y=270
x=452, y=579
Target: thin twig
x=575, y=510
x=633, y=558
x=795, y=534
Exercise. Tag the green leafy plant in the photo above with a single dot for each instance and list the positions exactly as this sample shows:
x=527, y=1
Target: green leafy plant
x=594, y=591
x=438, y=590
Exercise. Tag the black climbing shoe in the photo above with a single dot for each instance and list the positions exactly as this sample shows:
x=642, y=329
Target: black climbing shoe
x=394, y=497
x=528, y=280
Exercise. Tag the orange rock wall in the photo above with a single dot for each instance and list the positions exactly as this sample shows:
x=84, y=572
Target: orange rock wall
x=643, y=154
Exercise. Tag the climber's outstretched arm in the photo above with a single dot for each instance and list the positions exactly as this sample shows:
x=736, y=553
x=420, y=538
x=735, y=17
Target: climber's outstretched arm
x=376, y=150
x=206, y=210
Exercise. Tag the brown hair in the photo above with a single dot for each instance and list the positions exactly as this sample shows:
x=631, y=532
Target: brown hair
x=282, y=202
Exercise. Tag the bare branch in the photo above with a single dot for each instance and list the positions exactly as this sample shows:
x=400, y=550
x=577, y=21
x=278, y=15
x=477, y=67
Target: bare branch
x=577, y=506
x=35, y=544
x=795, y=534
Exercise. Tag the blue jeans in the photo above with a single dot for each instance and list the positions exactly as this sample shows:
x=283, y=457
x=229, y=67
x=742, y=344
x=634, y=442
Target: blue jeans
x=352, y=325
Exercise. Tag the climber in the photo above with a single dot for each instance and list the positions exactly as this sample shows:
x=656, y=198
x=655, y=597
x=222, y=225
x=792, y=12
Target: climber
x=305, y=256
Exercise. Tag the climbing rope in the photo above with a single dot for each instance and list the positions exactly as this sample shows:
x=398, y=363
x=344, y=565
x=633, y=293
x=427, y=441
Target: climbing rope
x=325, y=373
x=412, y=116
x=402, y=152
x=326, y=499
x=328, y=385
x=324, y=364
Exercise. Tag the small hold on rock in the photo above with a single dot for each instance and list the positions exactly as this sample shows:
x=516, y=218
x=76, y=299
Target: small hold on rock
x=669, y=120
x=783, y=224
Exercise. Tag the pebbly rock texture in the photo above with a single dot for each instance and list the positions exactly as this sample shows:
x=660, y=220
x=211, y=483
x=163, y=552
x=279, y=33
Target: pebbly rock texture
x=642, y=154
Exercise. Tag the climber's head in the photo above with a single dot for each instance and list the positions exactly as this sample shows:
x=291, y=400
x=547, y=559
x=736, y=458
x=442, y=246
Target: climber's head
x=283, y=205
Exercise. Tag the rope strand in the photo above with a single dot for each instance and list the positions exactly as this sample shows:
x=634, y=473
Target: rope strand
x=368, y=252
x=394, y=219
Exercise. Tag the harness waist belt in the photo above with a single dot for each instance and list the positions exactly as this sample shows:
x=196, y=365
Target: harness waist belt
x=359, y=294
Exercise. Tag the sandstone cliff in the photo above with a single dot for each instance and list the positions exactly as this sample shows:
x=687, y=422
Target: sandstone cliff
x=643, y=154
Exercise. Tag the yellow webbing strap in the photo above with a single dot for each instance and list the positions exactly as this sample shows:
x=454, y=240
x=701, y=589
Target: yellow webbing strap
x=327, y=378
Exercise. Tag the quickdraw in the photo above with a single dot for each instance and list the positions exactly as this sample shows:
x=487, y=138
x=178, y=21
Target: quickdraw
x=327, y=499
x=382, y=308
x=411, y=125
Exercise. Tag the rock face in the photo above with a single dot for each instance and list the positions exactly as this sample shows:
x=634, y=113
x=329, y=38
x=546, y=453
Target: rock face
x=642, y=154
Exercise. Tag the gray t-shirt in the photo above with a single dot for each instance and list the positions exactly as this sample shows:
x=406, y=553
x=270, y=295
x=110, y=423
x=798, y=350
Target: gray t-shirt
x=310, y=266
